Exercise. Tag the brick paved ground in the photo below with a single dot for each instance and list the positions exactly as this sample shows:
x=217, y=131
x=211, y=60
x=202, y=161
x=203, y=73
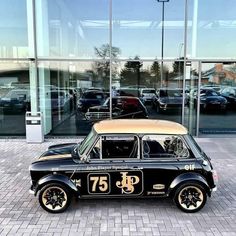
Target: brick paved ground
x=20, y=213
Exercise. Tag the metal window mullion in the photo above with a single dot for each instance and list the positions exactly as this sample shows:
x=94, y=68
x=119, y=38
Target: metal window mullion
x=185, y=59
x=110, y=44
x=35, y=53
x=198, y=97
x=74, y=59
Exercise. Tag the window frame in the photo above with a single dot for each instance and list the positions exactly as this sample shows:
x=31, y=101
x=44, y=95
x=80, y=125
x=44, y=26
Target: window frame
x=177, y=158
x=115, y=159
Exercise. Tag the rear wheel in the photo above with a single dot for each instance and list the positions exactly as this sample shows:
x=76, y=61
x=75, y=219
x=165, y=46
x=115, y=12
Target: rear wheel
x=54, y=198
x=190, y=197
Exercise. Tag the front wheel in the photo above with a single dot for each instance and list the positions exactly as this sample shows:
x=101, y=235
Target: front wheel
x=54, y=198
x=190, y=197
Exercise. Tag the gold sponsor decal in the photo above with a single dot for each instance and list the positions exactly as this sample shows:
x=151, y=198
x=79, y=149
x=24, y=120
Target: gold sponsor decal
x=99, y=181
x=55, y=156
x=158, y=186
x=127, y=183
x=189, y=167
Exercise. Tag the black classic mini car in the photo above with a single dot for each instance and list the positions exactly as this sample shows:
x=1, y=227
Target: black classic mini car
x=125, y=158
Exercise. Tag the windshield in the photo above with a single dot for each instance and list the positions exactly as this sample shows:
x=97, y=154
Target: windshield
x=114, y=102
x=149, y=91
x=16, y=94
x=106, y=103
x=171, y=93
x=93, y=95
x=87, y=142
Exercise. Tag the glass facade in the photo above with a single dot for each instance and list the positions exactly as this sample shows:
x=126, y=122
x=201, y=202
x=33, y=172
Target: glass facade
x=81, y=61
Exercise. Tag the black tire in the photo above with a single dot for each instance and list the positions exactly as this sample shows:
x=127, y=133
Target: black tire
x=193, y=196
x=48, y=198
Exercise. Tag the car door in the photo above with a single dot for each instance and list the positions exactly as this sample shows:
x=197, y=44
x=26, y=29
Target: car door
x=115, y=171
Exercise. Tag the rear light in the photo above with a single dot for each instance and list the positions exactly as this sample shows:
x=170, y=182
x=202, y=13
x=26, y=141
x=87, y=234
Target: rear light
x=215, y=176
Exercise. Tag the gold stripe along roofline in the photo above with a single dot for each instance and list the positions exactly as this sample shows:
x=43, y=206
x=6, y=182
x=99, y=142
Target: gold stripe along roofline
x=146, y=126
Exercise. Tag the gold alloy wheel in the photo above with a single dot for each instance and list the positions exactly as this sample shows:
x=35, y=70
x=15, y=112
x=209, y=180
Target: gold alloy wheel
x=190, y=198
x=54, y=198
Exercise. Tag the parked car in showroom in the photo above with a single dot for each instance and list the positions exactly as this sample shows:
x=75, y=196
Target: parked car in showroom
x=60, y=100
x=168, y=99
x=230, y=94
x=127, y=158
x=122, y=107
x=147, y=95
x=90, y=98
x=210, y=100
x=16, y=101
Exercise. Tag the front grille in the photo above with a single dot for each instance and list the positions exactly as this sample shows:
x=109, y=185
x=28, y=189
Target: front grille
x=97, y=115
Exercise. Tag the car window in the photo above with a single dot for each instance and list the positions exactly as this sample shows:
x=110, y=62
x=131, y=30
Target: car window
x=95, y=152
x=164, y=146
x=17, y=94
x=212, y=93
x=119, y=147
x=93, y=95
x=148, y=91
x=171, y=93
x=87, y=142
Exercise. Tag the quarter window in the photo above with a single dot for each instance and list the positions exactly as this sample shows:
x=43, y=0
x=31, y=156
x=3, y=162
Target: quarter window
x=163, y=146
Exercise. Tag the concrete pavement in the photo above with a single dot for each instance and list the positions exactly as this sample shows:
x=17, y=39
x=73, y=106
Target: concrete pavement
x=20, y=213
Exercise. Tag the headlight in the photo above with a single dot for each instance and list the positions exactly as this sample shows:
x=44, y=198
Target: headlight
x=162, y=102
x=87, y=116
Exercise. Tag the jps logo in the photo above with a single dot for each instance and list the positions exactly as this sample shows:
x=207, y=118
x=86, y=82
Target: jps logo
x=127, y=183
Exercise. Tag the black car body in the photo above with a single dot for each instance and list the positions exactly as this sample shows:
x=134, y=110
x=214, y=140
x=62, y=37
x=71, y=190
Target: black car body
x=125, y=159
x=230, y=94
x=122, y=107
x=91, y=98
x=168, y=99
x=210, y=100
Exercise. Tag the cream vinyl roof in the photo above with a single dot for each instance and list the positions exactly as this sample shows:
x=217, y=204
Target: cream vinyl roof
x=146, y=126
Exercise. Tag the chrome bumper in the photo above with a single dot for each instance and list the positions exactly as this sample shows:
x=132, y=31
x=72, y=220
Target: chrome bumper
x=32, y=190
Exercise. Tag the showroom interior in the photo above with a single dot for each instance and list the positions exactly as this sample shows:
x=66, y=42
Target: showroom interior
x=80, y=61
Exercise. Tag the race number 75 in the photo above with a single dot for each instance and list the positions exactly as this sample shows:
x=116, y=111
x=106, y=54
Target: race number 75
x=98, y=184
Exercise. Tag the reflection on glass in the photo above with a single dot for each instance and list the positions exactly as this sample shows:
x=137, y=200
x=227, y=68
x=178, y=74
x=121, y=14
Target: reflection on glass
x=217, y=98
x=137, y=28
x=66, y=91
x=142, y=81
x=14, y=97
x=72, y=28
x=13, y=30
x=211, y=29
